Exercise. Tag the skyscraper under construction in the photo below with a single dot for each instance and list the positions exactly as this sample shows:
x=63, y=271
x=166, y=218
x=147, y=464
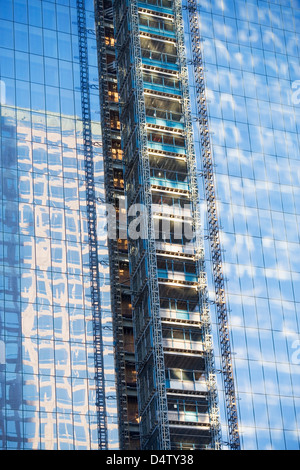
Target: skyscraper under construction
x=139, y=140
x=165, y=318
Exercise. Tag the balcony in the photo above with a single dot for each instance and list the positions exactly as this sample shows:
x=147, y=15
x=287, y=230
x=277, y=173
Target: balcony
x=180, y=315
x=188, y=417
x=162, y=83
x=164, y=122
x=166, y=143
x=161, y=30
x=173, y=209
x=176, y=248
x=161, y=147
x=161, y=88
x=172, y=184
x=187, y=386
x=160, y=59
x=183, y=345
x=177, y=276
x=162, y=6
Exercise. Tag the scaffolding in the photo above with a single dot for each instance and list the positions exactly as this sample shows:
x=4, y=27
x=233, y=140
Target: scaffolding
x=192, y=166
x=162, y=408
x=171, y=324
x=133, y=99
x=213, y=228
x=92, y=224
x=109, y=121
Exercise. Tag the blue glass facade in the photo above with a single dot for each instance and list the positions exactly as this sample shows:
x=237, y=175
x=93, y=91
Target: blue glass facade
x=251, y=53
x=48, y=388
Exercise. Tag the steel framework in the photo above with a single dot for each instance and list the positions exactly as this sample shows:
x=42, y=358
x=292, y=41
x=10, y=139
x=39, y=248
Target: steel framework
x=213, y=228
x=197, y=229
x=158, y=354
x=112, y=242
x=92, y=224
x=157, y=421
x=159, y=394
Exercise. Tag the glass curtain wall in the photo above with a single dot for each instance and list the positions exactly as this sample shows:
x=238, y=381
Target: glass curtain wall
x=251, y=52
x=47, y=368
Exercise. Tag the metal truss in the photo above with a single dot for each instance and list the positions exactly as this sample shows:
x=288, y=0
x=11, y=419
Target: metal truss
x=92, y=224
x=112, y=243
x=213, y=228
x=199, y=249
x=158, y=353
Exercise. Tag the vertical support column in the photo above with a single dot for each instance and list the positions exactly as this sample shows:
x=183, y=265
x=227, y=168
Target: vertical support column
x=213, y=228
x=158, y=353
x=154, y=410
x=199, y=248
x=112, y=242
x=92, y=223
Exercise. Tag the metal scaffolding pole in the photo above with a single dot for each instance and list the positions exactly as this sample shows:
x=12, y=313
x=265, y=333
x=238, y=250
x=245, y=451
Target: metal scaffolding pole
x=135, y=96
x=92, y=225
x=112, y=242
x=199, y=248
x=213, y=228
x=158, y=353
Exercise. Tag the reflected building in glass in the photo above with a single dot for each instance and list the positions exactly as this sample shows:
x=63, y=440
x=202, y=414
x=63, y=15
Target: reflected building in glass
x=251, y=61
x=108, y=343
x=49, y=383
